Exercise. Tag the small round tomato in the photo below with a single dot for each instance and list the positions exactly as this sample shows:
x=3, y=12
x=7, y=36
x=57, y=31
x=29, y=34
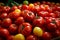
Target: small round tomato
x=4, y=33
x=10, y=37
x=13, y=8
x=25, y=28
x=25, y=2
x=24, y=7
x=39, y=21
x=6, y=22
x=24, y=12
x=4, y=15
x=31, y=37
x=13, y=29
x=19, y=20
x=46, y=36
x=29, y=16
x=38, y=31
x=51, y=27
x=19, y=37
x=31, y=7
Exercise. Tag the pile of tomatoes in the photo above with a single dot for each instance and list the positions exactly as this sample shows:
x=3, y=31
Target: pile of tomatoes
x=35, y=21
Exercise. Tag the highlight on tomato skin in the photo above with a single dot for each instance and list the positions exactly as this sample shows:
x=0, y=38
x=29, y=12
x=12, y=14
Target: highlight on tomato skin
x=30, y=21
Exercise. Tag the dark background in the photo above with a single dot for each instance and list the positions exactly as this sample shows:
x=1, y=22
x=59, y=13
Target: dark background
x=20, y=1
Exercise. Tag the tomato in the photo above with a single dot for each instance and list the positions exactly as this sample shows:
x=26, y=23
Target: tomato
x=39, y=21
x=19, y=37
x=52, y=27
x=31, y=37
x=46, y=36
x=25, y=2
x=4, y=33
x=25, y=28
x=19, y=20
x=29, y=16
x=13, y=8
x=15, y=14
x=6, y=22
x=13, y=29
x=4, y=15
x=43, y=14
x=24, y=7
x=38, y=31
x=31, y=7
x=58, y=23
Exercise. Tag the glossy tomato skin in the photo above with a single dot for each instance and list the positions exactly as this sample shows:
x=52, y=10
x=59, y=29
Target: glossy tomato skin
x=46, y=36
x=53, y=15
x=13, y=8
x=43, y=14
x=19, y=20
x=4, y=33
x=31, y=37
x=24, y=12
x=25, y=28
x=19, y=37
x=4, y=15
x=52, y=27
x=6, y=22
x=39, y=21
x=31, y=7
x=29, y=16
x=24, y=7
x=14, y=15
x=10, y=37
x=13, y=29
x=6, y=9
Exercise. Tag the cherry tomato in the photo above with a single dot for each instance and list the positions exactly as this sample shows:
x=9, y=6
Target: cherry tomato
x=38, y=31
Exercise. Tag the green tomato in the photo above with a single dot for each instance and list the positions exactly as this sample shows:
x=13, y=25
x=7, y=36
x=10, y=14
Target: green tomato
x=25, y=2
x=19, y=37
x=38, y=31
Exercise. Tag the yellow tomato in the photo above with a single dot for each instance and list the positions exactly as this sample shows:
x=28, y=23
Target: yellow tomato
x=38, y=31
x=19, y=37
x=17, y=10
x=31, y=5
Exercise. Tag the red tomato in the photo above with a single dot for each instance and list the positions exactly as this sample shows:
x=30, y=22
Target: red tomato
x=52, y=27
x=46, y=36
x=19, y=20
x=6, y=22
x=39, y=21
x=25, y=28
x=31, y=37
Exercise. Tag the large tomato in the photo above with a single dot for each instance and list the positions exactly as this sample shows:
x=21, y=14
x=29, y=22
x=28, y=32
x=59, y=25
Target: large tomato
x=25, y=28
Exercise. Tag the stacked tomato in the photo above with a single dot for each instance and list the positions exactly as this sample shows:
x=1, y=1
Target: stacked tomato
x=35, y=21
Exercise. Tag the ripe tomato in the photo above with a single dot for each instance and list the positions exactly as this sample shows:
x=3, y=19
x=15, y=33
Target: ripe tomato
x=29, y=16
x=38, y=31
x=39, y=21
x=19, y=20
x=31, y=37
x=6, y=22
x=24, y=7
x=43, y=14
x=46, y=36
x=19, y=37
x=25, y=28
x=52, y=27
